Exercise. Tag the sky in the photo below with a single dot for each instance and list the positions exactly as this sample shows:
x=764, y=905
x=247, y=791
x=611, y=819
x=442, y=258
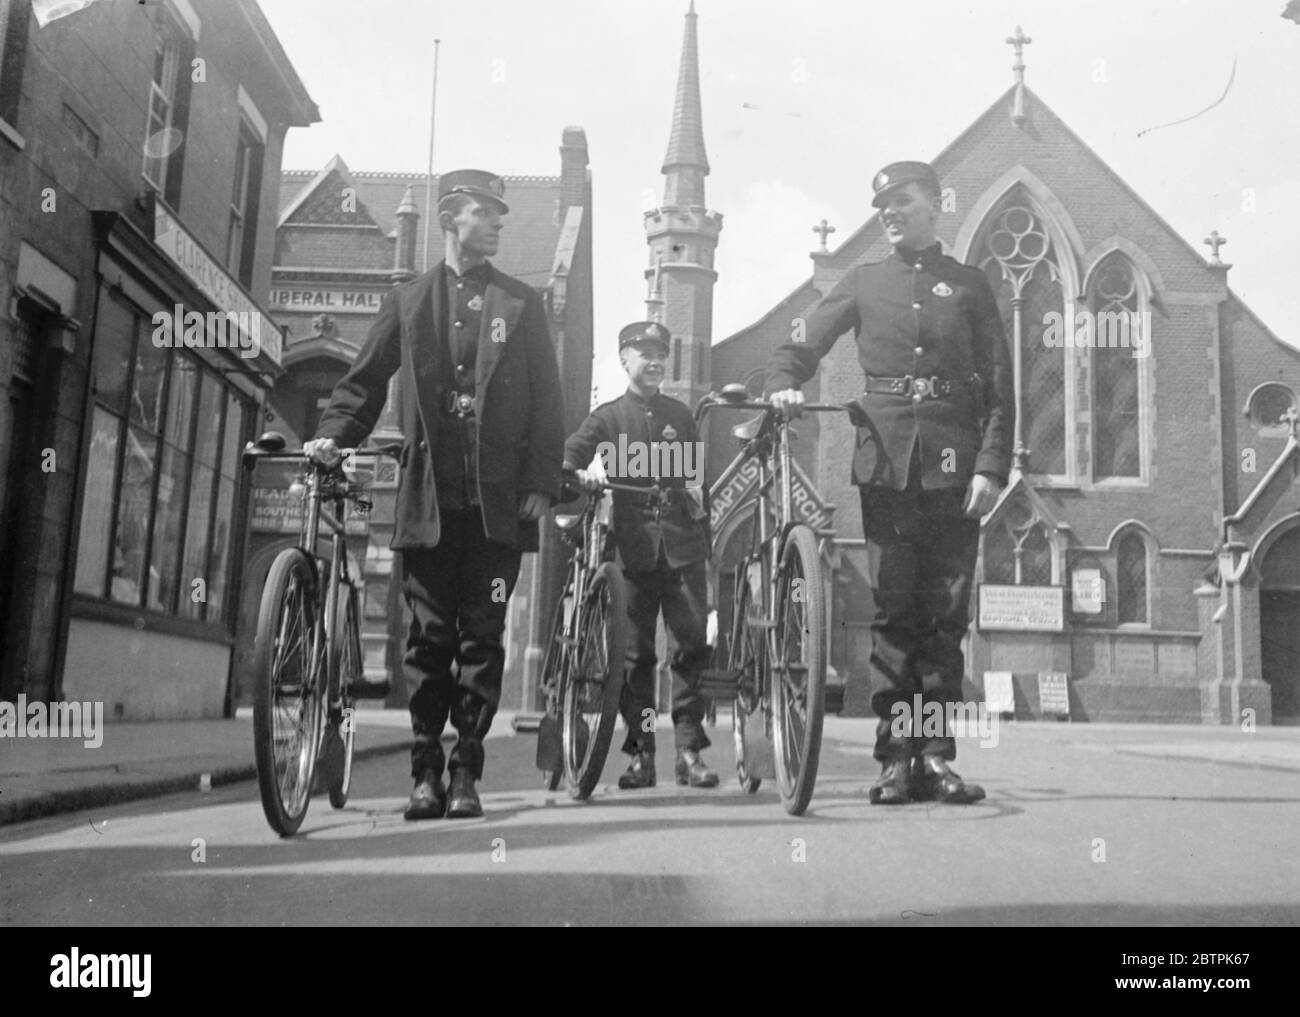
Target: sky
x=803, y=102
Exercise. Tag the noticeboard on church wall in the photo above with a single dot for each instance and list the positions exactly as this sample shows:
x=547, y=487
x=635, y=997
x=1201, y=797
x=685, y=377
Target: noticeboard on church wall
x=1021, y=608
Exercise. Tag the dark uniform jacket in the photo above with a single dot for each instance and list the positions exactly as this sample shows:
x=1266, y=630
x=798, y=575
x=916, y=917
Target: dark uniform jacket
x=927, y=315
x=680, y=526
x=518, y=403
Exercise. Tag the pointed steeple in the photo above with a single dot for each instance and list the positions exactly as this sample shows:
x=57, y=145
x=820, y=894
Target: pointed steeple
x=686, y=165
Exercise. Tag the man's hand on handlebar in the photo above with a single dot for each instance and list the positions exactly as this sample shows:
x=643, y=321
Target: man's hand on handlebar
x=789, y=402
x=589, y=481
x=323, y=451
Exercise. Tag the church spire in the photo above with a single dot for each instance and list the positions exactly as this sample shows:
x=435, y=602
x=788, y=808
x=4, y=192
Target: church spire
x=686, y=165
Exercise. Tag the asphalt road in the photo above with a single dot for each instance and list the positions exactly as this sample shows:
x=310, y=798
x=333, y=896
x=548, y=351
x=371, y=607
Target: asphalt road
x=1083, y=824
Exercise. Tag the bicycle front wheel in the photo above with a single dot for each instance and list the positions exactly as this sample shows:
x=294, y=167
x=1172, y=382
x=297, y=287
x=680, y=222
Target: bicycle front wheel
x=288, y=699
x=349, y=670
x=592, y=681
x=745, y=662
x=798, y=672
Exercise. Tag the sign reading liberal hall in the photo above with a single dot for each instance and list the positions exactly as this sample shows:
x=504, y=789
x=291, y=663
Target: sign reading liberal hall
x=286, y=298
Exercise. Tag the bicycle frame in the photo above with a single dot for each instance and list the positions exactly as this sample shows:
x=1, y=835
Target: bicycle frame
x=770, y=448
x=323, y=485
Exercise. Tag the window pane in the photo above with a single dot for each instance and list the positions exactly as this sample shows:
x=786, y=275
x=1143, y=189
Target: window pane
x=1043, y=377
x=222, y=535
x=195, y=565
x=999, y=559
x=1036, y=559
x=114, y=337
x=1132, y=579
x=147, y=388
x=180, y=402
x=97, y=507
x=163, y=578
x=233, y=443
x=133, y=516
x=1116, y=434
x=209, y=432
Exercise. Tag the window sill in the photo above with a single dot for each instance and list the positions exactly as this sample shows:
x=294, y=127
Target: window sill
x=11, y=135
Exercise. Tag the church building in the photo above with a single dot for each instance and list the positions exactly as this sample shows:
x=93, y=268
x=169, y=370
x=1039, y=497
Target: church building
x=1143, y=563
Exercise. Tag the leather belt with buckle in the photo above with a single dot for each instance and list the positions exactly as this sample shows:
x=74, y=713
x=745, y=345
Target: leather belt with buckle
x=460, y=404
x=918, y=388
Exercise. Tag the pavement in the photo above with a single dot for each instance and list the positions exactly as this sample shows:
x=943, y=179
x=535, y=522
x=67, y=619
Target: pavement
x=47, y=776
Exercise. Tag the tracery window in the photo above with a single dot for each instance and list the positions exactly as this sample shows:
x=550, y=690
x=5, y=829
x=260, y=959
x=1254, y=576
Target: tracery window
x=1116, y=304
x=1020, y=260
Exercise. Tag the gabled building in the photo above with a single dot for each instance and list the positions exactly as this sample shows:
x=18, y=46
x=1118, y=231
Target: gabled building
x=1147, y=547
x=139, y=169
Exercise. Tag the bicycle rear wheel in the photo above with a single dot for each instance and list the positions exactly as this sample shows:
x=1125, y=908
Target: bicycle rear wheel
x=592, y=681
x=349, y=668
x=288, y=693
x=744, y=660
x=799, y=669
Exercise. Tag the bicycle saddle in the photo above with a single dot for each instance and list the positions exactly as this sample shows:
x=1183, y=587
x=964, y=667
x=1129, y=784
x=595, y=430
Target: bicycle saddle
x=750, y=428
x=567, y=522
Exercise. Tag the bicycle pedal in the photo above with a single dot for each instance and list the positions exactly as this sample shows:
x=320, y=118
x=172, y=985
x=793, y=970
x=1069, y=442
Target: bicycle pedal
x=550, y=744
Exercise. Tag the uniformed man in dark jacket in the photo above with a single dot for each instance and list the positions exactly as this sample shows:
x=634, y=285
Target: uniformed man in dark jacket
x=931, y=460
x=482, y=412
x=662, y=538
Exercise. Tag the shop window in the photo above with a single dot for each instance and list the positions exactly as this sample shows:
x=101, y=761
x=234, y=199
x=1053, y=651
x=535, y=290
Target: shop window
x=161, y=478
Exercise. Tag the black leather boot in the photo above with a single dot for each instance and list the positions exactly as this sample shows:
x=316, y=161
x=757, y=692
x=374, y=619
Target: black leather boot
x=472, y=716
x=428, y=798
x=464, y=802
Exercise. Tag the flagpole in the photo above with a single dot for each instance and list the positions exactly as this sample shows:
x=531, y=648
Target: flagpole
x=428, y=177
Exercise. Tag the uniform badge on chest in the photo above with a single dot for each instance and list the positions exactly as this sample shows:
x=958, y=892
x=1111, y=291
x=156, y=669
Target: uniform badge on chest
x=475, y=303
x=942, y=289
x=669, y=432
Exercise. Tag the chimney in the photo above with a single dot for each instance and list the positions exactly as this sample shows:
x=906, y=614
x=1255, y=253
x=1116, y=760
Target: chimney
x=573, y=169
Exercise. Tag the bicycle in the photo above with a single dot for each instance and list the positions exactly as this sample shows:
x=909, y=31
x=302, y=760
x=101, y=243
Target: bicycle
x=307, y=663
x=775, y=671
x=582, y=673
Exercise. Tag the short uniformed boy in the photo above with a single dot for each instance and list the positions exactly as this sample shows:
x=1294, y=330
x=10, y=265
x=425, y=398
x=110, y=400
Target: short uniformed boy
x=663, y=541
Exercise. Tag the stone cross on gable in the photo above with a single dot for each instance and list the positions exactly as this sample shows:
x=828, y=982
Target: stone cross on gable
x=823, y=229
x=1214, y=242
x=1019, y=41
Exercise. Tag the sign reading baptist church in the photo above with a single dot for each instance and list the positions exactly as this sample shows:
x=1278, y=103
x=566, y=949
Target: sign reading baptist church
x=295, y=298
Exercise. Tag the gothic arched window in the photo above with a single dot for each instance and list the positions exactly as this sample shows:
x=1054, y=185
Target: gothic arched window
x=1131, y=579
x=1119, y=333
x=1017, y=549
x=1018, y=256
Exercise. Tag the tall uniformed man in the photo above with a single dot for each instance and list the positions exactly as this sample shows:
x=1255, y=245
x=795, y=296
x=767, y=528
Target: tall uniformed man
x=663, y=541
x=932, y=459
x=482, y=412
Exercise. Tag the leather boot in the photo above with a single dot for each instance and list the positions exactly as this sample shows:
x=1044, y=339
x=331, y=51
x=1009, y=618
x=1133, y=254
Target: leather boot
x=692, y=771
x=428, y=798
x=464, y=802
x=893, y=786
x=944, y=785
x=641, y=772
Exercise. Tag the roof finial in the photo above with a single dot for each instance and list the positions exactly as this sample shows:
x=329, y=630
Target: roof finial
x=1019, y=41
x=1214, y=242
x=823, y=229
